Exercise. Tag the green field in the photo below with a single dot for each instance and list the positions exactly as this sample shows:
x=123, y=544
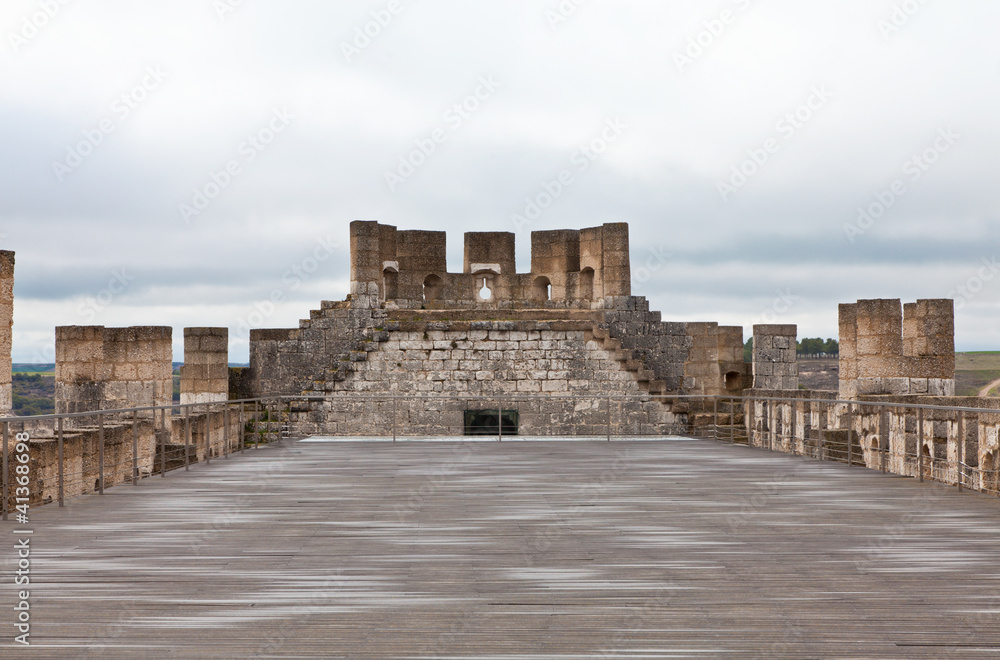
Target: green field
x=976, y=370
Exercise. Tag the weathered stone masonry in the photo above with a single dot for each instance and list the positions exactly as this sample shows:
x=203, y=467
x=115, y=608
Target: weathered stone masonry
x=100, y=368
x=6, y=327
x=205, y=372
x=576, y=301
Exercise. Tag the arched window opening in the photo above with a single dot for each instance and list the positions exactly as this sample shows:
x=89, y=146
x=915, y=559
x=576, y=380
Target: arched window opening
x=542, y=289
x=485, y=292
x=390, y=284
x=432, y=288
x=733, y=381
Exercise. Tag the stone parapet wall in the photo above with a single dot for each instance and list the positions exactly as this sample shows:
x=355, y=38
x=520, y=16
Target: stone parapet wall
x=81, y=450
x=884, y=437
x=100, y=368
x=408, y=269
x=539, y=360
x=6, y=330
x=205, y=372
x=775, y=365
x=895, y=349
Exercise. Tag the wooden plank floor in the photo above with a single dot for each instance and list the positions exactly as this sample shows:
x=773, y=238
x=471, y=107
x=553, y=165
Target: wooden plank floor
x=578, y=549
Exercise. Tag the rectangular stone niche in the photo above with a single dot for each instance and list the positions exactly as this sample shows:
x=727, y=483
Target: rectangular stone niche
x=491, y=422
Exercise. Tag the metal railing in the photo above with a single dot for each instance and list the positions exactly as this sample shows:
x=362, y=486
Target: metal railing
x=80, y=453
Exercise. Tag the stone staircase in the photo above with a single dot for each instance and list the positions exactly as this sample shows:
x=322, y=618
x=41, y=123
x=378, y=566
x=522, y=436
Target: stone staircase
x=347, y=355
x=351, y=355
x=630, y=360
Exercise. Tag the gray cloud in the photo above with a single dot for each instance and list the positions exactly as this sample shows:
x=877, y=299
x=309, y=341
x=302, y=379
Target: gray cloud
x=223, y=78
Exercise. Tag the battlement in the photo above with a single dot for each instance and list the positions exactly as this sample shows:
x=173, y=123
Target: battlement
x=408, y=269
x=6, y=329
x=100, y=368
x=890, y=348
x=205, y=372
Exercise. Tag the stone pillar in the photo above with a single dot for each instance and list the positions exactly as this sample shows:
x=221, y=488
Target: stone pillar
x=100, y=368
x=423, y=259
x=366, y=265
x=775, y=365
x=555, y=254
x=205, y=372
x=848, y=363
x=617, y=275
x=887, y=348
x=6, y=332
x=487, y=249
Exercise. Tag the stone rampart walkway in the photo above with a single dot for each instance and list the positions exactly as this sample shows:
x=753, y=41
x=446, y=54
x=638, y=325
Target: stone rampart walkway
x=575, y=549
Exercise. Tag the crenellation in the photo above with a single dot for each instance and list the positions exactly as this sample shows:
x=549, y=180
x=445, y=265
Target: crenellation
x=894, y=349
x=205, y=372
x=775, y=358
x=6, y=331
x=100, y=368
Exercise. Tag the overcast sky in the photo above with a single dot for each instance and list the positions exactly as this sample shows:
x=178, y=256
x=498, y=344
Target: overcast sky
x=181, y=163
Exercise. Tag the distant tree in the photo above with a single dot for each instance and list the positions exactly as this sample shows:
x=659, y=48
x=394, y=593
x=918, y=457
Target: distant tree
x=818, y=346
x=748, y=350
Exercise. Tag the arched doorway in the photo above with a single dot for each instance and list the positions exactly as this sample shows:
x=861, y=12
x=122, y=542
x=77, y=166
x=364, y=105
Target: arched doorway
x=390, y=284
x=432, y=288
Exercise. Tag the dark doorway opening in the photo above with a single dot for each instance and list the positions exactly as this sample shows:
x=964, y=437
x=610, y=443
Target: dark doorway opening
x=488, y=422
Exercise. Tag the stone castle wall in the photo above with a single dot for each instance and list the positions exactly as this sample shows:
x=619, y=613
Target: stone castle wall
x=539, y=361
x=408, y=269
x=889, y=348
x=100, y=368
x=775, y=365
x=6, y=330
x=205, y=372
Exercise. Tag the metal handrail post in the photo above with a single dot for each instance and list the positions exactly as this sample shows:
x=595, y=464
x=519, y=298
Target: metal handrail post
x=920, y=444
x=100, y=453
x=187, y=437
x=394, y=399
x=225, y=432
x=165, y=434
x=732, y=421
x=960, y=453
x=821, y=431
x=850, y=434
x=6, y=467
x=208, y=434
x=135, y=449
x=715, y=418
x=59, y=449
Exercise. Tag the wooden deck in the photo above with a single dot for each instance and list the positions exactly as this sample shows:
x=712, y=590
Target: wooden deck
x=574, y=549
